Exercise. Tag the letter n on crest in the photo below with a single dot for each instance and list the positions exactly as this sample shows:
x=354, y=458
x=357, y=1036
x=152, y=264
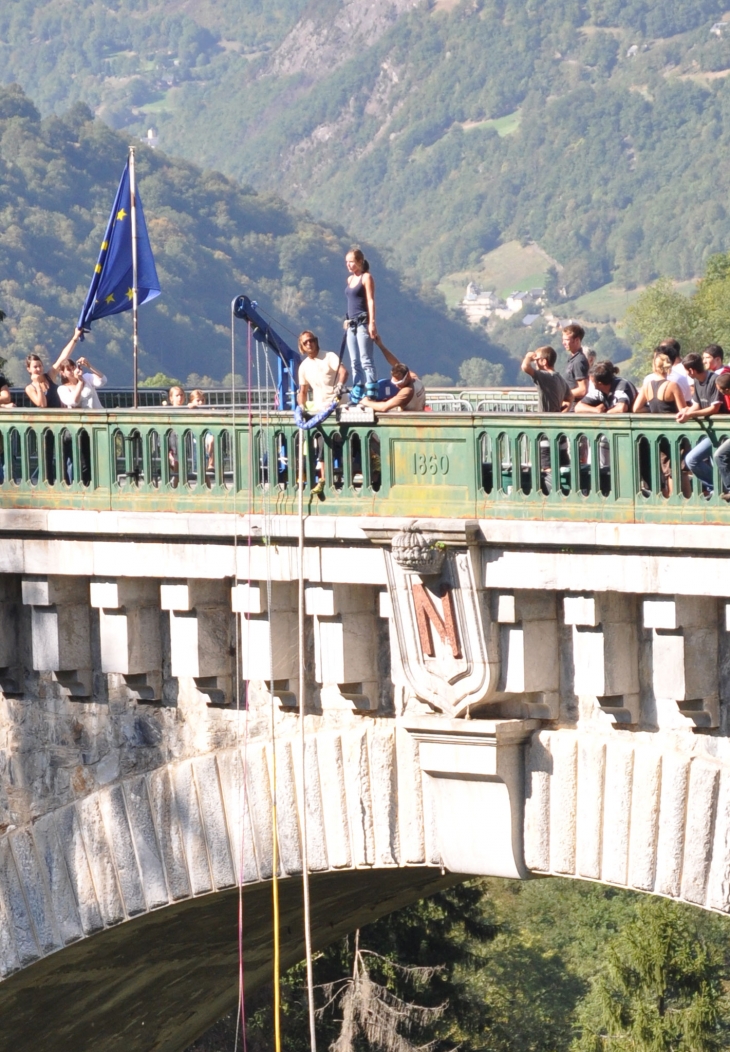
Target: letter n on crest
x=428, y=618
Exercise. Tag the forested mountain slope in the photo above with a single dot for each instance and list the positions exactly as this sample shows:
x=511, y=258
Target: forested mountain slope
x=212, y=240
x=388, y=116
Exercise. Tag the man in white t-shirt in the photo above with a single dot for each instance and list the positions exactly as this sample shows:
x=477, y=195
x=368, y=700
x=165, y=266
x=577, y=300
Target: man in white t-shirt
x=321, y=376
x=321, y=379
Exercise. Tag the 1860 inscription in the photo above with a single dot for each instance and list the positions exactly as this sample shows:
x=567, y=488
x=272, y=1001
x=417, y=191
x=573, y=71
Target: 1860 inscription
x=430, y=464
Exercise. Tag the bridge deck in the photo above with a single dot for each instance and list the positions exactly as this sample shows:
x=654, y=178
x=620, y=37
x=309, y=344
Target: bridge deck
x=461, y=465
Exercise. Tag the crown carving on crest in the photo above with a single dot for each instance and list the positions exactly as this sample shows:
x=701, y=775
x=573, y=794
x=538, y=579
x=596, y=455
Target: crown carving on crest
x=413, y=551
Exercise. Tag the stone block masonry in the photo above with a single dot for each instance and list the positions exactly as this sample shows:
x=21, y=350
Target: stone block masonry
x=530, y=699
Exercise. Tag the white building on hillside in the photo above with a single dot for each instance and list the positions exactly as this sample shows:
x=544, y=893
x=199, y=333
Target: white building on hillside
x=478, y=303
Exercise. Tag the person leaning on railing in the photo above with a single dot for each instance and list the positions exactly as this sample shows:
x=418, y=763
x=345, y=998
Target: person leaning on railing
x=196, y=399
x=609, y=392
x=722, y=453
x=411, y=394
x=659, y=392
x=176, y=399
x=553, y=390
x=321, y=378
x=80, y=382
x=42, y=389
x=706, y=402
x=6, y=399
x=577, y=369
x=713, y=359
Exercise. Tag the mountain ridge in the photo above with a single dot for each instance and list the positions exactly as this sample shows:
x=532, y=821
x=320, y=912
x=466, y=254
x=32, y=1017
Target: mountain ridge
x=212, y=240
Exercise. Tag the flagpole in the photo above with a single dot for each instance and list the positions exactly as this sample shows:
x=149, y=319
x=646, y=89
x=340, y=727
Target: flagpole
x=133, y=212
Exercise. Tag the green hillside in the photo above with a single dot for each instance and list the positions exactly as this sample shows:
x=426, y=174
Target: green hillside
x=598, y=129
x=212, y=241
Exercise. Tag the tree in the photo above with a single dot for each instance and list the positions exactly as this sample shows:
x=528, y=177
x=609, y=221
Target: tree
x=660, y=991
x=423, y=953
x=437, y=380
x=478, y=372
x=160, y=380
x=609, y=345
x=695, y=321
x=661, y=312
x=370, y=1010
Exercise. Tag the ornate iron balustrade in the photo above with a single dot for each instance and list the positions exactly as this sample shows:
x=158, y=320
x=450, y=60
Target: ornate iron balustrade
x=615, y=468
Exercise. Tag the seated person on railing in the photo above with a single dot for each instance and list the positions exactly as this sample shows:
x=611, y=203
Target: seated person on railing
x=706, y=402
x=722, y=453
x=553, y=390
x=42, y=389
x=660, y=393
x=321, y=378
x=411, y=394
x=80, y=383
x=321, y=375
x=576, y=371
x=609, y=392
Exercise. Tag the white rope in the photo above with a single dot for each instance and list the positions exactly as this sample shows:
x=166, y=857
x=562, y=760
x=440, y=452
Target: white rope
x=301, y=437
x=242, y=788
x=264, y=467
x=302, y=709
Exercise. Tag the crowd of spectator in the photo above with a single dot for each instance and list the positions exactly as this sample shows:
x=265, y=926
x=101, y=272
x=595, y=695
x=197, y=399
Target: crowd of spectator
x=695, y=387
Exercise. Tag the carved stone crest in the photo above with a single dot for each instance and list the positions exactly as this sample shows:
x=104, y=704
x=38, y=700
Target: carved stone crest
x=412, y=551
x=441, y=623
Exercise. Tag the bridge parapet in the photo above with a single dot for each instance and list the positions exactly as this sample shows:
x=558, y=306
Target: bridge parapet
x=505, y=466
x=517, y=657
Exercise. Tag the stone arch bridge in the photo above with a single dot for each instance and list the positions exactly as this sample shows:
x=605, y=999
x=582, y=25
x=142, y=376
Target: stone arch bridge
x=540, y=688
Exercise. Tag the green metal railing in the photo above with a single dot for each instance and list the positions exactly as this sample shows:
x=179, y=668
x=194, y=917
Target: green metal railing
x=531, y=466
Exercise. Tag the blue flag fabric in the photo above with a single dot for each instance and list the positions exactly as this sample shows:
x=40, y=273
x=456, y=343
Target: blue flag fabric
x=110, y=291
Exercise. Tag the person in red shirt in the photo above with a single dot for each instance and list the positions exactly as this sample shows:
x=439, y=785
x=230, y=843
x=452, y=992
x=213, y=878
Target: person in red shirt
x=713, y=359
x=706, y=402
x=721, y=455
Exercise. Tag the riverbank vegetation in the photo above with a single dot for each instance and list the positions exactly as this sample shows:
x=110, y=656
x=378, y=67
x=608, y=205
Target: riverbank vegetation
x=544, y=966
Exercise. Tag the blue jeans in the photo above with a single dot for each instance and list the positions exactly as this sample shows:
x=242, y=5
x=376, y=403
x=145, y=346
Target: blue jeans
x=722, y=459
x=360, y=349
x=699, y=461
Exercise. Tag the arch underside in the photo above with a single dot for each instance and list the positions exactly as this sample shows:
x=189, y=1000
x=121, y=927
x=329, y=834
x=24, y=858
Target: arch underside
x=160, y=980
x=112, y=937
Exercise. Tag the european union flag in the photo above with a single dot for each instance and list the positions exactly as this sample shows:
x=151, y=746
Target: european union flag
x=110, y=291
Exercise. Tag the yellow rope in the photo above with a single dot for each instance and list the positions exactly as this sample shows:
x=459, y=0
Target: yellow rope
x=275, y=905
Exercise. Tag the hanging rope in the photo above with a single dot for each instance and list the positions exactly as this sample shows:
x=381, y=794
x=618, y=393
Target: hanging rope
x=242, y=788
x=305, y=423
x=265, y=467
x=302, y=710
x=302, y=739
